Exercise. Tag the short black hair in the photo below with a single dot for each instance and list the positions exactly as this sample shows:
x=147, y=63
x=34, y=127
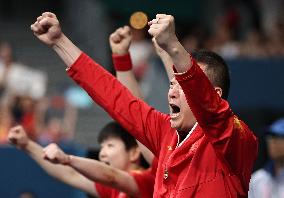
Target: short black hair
x=216, y=69
x=114, y=130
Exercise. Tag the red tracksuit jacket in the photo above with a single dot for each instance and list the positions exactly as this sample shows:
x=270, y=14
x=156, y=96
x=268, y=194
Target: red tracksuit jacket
x=215, y=161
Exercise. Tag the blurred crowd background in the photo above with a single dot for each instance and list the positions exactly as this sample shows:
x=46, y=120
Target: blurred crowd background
x=36, y=92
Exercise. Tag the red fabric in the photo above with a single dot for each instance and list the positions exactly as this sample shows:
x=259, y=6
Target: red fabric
x=28, y=122
x=108, y=192
x=144, y=179
x=122, y=62
x=217, y=159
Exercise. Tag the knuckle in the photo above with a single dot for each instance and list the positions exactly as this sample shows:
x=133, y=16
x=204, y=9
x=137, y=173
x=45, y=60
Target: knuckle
x=53, y=145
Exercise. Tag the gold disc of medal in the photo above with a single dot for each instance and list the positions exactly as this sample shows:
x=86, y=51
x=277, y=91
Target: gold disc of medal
x=138, y=20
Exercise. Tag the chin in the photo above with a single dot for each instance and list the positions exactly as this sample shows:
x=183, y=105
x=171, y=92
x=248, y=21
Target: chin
x=175, y=125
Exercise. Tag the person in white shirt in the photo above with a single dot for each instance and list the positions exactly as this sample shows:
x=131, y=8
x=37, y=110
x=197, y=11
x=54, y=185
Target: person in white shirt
x=268, y=182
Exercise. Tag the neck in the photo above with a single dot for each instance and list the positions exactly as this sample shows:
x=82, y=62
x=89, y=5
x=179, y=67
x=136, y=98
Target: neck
x=181, y=131
x=133, y=166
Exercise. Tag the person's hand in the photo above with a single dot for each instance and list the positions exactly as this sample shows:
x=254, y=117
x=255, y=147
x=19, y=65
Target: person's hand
x=18, y=137
x=55, y=155
x=120, y=40
x=162, y=28
x=47, y=28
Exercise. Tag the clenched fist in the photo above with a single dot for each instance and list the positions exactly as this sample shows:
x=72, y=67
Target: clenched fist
x=162, y=28
x=47, y=28
x=120, y=40
x=55, y=155
x=18, y=137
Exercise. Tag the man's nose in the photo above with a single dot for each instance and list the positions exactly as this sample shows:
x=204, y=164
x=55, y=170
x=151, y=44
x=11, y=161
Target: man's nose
x=173, y=93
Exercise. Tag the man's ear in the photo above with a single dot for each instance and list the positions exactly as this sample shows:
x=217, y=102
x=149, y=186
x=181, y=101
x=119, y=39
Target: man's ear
x=134, y=154
x=219, y=91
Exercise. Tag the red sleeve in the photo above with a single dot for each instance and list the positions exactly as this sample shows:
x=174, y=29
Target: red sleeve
x=145, y=181
x=104, y=191
x=229, y=136
x=141, y=120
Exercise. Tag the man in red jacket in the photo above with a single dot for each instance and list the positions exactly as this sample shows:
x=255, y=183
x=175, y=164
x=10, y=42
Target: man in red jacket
x=204, y=150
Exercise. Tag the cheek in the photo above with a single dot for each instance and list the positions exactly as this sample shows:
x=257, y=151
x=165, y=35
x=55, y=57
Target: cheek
x=114, y=153
x=182, y=96
x=121, y=161
x=184, y=104
x=119, y=153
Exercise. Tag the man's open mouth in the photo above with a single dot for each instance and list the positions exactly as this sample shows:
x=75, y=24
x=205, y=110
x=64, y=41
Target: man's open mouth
x=174, y=110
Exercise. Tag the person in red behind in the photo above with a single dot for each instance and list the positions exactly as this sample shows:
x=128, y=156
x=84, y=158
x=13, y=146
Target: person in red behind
x=204, y=149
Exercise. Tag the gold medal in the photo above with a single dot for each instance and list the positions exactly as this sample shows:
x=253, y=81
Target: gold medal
x=138, y=20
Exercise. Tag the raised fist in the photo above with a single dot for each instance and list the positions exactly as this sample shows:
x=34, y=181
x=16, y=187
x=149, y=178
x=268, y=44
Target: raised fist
x=18, y=137
x=120, y=40
x=162, y=28
x=47, y=28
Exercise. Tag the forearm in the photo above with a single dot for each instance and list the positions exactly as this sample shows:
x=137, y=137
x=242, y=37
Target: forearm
x=66, y=50
x=168, y=64
x=105, y=174
x=35, y=151
x=92, y=169
x=63, y=173
x=178, y=55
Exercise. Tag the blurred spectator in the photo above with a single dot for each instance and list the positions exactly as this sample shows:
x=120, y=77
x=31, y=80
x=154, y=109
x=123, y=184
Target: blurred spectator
x=52, y=132
x=275, y=42
x=253, y=45
x=271, y=14
x=141, y=50
x=268, y=182
x=5, y=123
x=191, y=43
x=21, y=87
x=224, y=36
x=238, y=31
x=192, y=40
x=58, y=122
x=18, y=79
x=23, y=110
